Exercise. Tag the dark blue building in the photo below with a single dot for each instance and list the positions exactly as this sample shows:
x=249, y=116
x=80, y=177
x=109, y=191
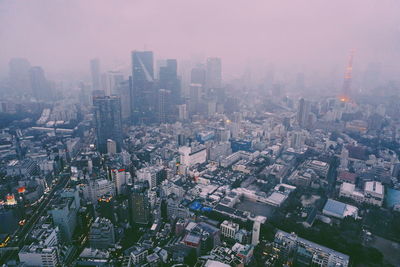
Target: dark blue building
x=243, y=145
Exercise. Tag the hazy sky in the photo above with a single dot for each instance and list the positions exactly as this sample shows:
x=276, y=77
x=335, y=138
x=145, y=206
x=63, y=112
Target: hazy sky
x=310, y=34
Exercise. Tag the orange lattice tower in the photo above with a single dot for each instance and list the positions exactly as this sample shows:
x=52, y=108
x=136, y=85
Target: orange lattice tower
x=346, y=90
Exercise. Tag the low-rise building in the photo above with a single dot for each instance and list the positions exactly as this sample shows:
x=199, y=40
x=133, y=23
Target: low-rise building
x=101, y=234
x=93, y=257
x=307, y=253
x=339, y=210
x=136, y=255
x=229, y=229
x=373, y=193
x=245, y=252
x=39, y=255
x=44, y=250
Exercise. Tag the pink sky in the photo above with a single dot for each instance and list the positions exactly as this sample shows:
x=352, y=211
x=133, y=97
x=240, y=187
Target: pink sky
x=300, y=34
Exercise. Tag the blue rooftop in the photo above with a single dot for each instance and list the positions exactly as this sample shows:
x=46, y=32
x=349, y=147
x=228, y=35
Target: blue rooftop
x=392, y=197
x=195, y=206
x=335, y=207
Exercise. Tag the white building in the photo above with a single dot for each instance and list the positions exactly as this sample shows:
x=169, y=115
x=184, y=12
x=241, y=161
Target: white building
x=98, y=188
x=137, y=256
x=297, y=139
x=344, y=159
x=183, y=112
x=349, y=190
x=339, y=210
x=121, y=177
x=374, y=193
x=190, y=156
x=43, y=252
x=35, y=255
x=152, y=174
x=256, y=232
x=289, y=243
x=111, y=147
x=229, y=229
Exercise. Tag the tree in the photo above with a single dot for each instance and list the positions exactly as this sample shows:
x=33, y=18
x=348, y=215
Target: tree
x=191, y=258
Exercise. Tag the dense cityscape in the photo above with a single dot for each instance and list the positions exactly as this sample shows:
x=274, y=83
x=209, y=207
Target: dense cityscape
x=171, y=162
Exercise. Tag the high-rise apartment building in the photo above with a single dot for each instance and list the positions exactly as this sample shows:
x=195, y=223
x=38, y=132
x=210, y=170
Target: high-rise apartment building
x=121, y=178
x=164, y=106
x=111, y=147
x=195, y=98
x=303, y=112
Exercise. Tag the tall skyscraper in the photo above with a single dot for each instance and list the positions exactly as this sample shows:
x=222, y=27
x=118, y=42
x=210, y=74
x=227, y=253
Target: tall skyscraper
x=40, y=86
x=169, y=95
x=164, y=106
x=19, y=75
x=112, y=79
x=159, y=63
x=169, y=79
x=142, y=66
x=195, y=96
x=108, y=121
x=95, y=71
x=143, y=93
x=183, y=113
x=140, y=206
x=124, y=92
x=214, y=73
x=303, y=112
x=198, y=75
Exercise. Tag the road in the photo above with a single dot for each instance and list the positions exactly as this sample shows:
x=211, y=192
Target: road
x=23, y=232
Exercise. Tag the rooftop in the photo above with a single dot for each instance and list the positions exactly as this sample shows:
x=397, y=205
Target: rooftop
x=339, y=209
x=375, y=187
x=347, y=176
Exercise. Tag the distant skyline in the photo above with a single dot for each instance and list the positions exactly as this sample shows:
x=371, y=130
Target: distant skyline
x=296, y=35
